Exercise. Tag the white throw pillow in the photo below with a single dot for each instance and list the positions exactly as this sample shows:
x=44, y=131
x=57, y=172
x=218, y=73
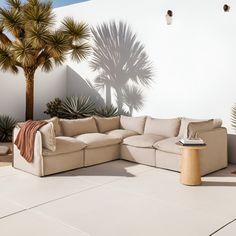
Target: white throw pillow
x=48, y=137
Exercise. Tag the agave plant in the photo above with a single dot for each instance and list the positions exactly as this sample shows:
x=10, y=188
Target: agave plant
x=7, y=125
x=77, y=107
x=107, y=111
x=233, y=117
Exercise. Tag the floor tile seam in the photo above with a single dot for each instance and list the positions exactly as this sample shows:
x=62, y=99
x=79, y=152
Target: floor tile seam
x=14, y=213
x=222, y=227
x=64, y=197
x=58, y=221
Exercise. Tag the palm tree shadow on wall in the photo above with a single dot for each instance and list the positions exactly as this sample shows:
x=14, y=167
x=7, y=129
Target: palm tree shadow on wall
x=122, y=64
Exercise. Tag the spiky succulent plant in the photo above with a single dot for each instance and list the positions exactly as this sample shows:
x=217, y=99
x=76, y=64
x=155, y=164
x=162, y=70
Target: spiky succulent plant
x=7, y=125
x=107, y=111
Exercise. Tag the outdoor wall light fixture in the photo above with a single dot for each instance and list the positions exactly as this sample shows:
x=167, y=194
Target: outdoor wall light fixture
x=226, y=8
x=169, y=17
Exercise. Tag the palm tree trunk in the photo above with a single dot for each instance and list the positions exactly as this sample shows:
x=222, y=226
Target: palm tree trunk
x=29, y=80
x=108, y=95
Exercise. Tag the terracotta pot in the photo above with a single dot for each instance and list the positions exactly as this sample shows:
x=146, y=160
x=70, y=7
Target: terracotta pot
x=9, y=145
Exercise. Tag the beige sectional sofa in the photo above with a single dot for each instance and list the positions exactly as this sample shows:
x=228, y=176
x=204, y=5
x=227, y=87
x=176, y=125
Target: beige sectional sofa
x=64, y=145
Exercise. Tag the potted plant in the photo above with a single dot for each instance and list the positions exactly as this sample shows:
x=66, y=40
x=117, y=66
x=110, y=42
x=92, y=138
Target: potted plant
x=7, y=125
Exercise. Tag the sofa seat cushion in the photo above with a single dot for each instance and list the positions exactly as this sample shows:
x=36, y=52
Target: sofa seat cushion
x=144, y=141
x=95, y=140
x=168, y=145
x=121, y=133
x=65, y=145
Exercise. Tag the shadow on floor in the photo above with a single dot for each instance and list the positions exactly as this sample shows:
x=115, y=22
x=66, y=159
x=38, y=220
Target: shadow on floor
x=218, y=184
x=117, y=168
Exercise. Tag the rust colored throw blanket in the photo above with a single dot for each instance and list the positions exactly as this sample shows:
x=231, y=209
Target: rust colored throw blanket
x=26, y=136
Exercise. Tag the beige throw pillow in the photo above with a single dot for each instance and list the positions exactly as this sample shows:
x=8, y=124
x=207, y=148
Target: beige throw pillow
x=76, y=127
x=107, y=124
x=48, y=137
x=195, y=127
x=163, y=127
x=57, y=126
x=133, y=123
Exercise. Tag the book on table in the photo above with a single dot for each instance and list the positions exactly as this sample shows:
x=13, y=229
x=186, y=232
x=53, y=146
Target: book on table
x=192, y=141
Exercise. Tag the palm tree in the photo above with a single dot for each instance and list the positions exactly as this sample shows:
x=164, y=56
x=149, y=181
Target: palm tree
x=29, y=40
x=119, y=58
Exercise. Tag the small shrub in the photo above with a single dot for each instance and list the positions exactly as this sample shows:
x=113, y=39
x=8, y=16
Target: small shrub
x=53, y=107
x=7, y=124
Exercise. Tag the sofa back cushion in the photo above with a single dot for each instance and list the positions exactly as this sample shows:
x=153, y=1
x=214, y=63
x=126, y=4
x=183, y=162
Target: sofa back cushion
x=75, y=127
x=133, y=123
x=107, y=124
x=195, y=127
x=163, y=127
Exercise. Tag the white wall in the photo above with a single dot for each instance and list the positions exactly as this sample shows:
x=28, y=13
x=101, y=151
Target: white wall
x=47, y=87
x=193, y=59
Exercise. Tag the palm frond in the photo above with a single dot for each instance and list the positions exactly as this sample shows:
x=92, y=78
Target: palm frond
x=24, y=53
x=14, y=4
x=57, y=45
x=37, y=36
x=12, y=21
x=47, y=65
x=80, y=52
x=7, y=62
x=75, y=30
x=38, y=12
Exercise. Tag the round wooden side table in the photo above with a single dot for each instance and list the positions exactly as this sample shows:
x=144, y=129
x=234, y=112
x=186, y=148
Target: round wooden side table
x=190, y=164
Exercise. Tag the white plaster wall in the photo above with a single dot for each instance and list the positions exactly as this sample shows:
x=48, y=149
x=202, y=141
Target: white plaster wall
x=47, y=87
x=193, y=59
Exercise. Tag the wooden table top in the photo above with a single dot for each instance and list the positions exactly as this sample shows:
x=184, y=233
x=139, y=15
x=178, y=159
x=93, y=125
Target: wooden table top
x=201, y=146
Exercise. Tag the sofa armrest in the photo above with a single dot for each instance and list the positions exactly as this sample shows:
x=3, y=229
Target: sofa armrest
x=215, y=155
x=35, y=167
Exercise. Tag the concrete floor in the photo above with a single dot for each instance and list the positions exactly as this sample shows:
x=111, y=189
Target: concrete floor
x=116, y=199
